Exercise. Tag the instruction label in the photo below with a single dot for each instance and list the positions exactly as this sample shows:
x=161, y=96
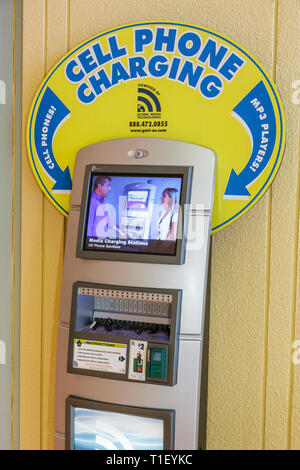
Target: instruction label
x=95, y=355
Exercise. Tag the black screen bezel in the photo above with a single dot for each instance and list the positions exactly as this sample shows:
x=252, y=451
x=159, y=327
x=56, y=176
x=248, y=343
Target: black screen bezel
x=185, y=172
x=167, y=416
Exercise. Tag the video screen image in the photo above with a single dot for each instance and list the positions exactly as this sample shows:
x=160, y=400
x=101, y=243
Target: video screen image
x=133, y=214
x=105, y=430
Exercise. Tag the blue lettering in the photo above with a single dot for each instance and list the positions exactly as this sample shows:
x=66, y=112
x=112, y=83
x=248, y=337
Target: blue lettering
x=87, y=61
x=174, y=68
x=136, y=67
x=114, y=47
x=143, y=37
x=209, y=51
x=83, y=96
x=231, y=66
x=187, y=49
x=118, y=73
x=188, y=72
x=101, y=58
x=102, y=80
x=168, y=39
x=71, y=73
x=157, y=66
x=211, y=86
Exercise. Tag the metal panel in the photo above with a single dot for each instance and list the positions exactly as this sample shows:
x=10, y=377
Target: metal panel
x=190, y=277
x=158, y=152
x=183, y=397
x=135, y=274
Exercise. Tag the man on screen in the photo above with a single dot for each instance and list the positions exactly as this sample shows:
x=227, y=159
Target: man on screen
x=99, y=220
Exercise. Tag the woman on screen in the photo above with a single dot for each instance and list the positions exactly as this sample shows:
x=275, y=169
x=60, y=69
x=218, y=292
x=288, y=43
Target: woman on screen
x=167, y=223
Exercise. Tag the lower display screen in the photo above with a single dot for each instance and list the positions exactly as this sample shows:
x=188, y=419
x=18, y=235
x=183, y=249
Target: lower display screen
x=96, y=425
x=105, y=430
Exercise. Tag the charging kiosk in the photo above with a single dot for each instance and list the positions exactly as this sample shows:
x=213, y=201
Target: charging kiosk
x=133, y=292
x=132, y=303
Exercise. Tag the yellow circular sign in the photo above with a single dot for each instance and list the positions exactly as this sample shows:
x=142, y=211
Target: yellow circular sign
x=167, y=80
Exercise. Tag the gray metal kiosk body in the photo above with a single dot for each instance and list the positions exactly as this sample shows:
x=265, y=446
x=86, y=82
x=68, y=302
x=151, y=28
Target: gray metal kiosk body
x=186, y=282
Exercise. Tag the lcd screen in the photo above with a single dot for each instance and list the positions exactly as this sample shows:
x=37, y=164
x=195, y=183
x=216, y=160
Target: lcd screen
x=106, y=430
x=133, y=213
x=137, y=199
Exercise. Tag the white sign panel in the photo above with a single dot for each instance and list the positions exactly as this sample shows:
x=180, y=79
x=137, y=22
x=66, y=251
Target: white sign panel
x=96, y=355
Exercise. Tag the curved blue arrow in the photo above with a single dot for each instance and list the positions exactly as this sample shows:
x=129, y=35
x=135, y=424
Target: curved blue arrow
x=50, y=115
x=256, y=114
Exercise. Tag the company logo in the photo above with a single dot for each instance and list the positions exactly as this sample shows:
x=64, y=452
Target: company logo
x=148, y=103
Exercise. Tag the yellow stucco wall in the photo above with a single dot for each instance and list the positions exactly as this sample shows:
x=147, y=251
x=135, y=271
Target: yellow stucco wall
x=253, y=388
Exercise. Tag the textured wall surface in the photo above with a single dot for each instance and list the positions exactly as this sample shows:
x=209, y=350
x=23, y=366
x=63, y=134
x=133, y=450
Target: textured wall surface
x=252, y=390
